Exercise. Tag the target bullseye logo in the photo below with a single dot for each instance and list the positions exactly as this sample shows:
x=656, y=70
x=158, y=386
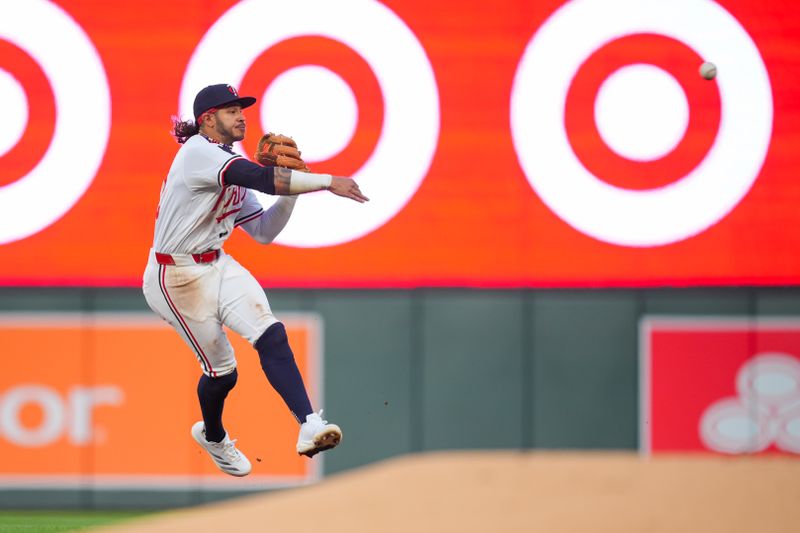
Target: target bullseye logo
x=320, y=108
x=59, y=111
x=668, y=209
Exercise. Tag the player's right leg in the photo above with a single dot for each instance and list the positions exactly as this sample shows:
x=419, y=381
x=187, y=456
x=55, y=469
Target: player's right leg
x=185, y=297
x=224, y=454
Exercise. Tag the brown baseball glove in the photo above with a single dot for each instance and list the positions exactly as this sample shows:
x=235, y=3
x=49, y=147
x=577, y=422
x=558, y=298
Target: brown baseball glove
x=276, y=150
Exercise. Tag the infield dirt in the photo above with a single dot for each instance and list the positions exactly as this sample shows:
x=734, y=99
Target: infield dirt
x=506, y=491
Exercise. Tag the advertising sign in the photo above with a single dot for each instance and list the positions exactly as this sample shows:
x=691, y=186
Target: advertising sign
x=109, y=399
x=722, y=385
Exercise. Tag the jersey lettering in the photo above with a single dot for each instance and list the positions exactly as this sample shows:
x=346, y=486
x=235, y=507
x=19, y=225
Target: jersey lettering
x=234, y=196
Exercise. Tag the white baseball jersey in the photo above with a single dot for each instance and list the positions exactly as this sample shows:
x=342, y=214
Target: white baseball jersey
x=198, y=211
x=198, y=295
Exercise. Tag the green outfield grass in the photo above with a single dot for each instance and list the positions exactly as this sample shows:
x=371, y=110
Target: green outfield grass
x=52, y=521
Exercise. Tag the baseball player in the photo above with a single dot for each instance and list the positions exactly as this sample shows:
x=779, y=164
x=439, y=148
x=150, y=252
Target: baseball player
x=197, y=288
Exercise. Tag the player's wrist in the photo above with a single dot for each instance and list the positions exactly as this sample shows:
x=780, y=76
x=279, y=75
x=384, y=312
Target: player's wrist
x=302, y=182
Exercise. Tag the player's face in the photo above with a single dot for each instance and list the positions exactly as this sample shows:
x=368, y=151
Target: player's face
x=230, y=124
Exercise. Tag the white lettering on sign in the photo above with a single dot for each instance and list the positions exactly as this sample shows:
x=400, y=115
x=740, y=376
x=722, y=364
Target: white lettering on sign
x=70, y=415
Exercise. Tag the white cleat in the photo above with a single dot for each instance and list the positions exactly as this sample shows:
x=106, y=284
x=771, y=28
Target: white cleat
x=316, y=435
x=224, y=454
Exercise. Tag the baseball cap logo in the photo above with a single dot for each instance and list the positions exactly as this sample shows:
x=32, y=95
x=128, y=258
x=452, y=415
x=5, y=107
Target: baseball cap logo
x=232, y=91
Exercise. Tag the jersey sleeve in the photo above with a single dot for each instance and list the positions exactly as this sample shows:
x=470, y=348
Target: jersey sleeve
x=266, y=225
x=251, y=208
x=206, y=165
x=251, y=175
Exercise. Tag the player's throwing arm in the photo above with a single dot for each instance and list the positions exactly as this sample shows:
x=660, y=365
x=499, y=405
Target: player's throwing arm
x=292, y=175
x=292, y=182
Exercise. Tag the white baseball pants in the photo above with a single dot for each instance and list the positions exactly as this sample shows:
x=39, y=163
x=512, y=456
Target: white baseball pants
x=197, y=299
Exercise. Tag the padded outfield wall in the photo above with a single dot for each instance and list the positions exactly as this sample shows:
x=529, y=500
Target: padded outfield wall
x=418, y=370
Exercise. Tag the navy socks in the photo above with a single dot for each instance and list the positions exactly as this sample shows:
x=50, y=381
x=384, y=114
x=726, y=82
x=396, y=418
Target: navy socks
x=212, y=393
x=277, y=361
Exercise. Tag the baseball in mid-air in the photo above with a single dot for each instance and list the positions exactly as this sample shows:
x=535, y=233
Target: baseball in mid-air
x=708, y=70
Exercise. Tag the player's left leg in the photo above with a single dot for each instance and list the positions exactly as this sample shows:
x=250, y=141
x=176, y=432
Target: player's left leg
x=278, y=362
x=246, y=311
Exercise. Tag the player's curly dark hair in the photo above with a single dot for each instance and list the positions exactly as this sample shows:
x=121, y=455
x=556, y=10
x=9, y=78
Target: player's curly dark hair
x=183, y=129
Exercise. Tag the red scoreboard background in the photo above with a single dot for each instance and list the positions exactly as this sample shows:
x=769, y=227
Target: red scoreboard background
x=503, y=144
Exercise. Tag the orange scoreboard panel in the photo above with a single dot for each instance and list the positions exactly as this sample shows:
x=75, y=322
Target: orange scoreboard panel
x=503, y=144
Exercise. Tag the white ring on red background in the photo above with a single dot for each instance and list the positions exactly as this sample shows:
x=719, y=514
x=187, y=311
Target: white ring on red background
x=76, y=75
x=16, y=113
x=788, y=438
x=771, y=379
x=730, y=426
x=640, y=217
x=394, y=171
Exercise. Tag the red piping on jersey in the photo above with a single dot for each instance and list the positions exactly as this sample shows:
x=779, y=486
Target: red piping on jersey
x=185, y=325
x=248, y=218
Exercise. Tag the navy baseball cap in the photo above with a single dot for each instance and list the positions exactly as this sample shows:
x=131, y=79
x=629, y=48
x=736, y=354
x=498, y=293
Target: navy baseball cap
x=219, y=95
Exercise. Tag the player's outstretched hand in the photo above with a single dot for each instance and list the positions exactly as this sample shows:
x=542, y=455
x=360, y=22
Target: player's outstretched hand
x=348, y=188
